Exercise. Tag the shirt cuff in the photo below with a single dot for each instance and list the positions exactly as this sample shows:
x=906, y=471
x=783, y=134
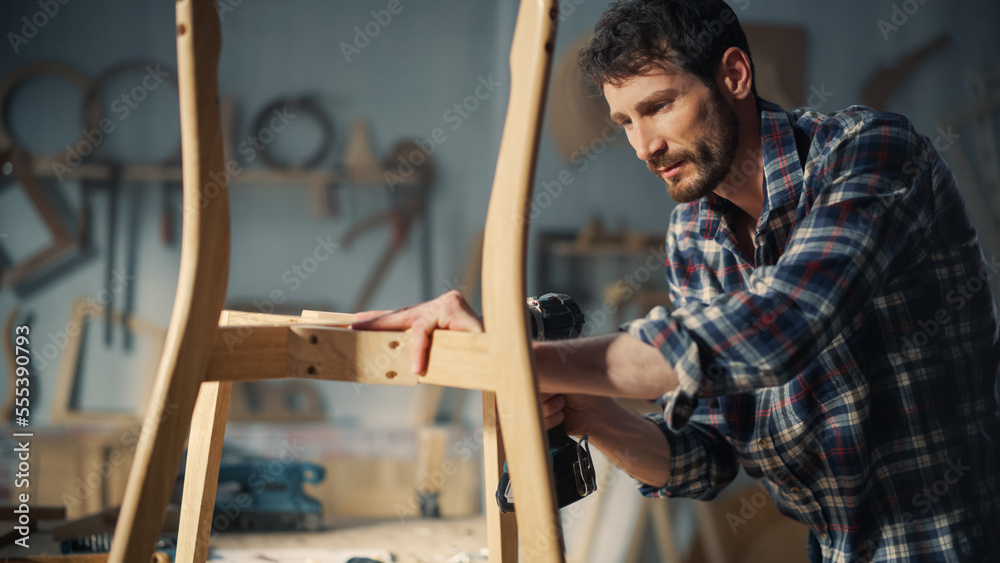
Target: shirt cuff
x=688, y=466
x=659, y=330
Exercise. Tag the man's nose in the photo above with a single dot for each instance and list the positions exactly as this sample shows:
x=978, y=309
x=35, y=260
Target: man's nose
x=647, y=143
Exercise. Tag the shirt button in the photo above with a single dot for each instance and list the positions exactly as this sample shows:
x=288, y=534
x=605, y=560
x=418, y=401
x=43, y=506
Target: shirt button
x=762, y=443
x=822, y=536
x=795, y=490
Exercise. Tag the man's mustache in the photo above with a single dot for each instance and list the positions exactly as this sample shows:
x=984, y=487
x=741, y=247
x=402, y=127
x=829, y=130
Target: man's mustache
x=660, y=161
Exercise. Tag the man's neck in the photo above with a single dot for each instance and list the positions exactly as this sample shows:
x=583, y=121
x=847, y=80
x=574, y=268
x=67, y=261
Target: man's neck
x=744, y=184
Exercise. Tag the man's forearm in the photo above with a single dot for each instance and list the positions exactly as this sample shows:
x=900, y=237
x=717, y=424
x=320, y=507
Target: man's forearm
x=614, y=365
x=631, y=442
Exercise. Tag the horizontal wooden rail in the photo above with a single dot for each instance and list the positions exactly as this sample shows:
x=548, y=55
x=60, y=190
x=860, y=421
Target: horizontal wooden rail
x=254, y=352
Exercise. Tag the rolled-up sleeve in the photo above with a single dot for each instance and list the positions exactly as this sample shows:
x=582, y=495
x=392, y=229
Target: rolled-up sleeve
x=702, y=462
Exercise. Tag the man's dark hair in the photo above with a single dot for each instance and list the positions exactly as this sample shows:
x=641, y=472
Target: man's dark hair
x=634, y=36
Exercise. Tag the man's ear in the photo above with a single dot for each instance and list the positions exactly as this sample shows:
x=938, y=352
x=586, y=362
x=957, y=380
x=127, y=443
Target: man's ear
x=735, y=77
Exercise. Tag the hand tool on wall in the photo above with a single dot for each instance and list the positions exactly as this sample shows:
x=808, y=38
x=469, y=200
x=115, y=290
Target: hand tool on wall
x=297, y=107
x=282, y=111
x=93, y=112
x=408, y=204
x=62, y=254
x=555, y=316
x=359, y=158
x=417, y=179
x=111, y=250
x=131, y=267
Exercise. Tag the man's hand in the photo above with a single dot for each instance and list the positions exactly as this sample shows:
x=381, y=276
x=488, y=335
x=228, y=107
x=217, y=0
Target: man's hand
x=449, y=311
x=574, y=411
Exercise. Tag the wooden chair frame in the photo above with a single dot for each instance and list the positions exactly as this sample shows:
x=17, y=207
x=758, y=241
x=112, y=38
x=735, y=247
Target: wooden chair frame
x=205, y=352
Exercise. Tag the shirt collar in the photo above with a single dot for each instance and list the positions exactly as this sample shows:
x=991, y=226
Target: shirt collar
x=782, y=170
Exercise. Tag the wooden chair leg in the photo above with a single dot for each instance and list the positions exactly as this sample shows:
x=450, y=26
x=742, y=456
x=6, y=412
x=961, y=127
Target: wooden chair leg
x=501, y=528
x=709, y=532
x=201, y=476
x=201, y=288
x=154, y=468
x=663, y=528
x=519, y=414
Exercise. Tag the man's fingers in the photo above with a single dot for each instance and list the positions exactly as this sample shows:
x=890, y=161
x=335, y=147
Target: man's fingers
x=553, y=404
x=554, y=420
x=449, y=311
x=362, y=317
x=419, y=340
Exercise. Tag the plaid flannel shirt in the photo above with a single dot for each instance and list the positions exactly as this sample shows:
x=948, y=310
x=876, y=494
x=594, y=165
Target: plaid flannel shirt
x=852, y=364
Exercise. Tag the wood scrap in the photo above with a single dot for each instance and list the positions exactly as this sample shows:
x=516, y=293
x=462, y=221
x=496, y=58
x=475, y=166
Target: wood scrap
x=359, y=159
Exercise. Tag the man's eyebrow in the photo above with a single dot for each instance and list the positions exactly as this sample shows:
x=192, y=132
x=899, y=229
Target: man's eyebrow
x=643, y=106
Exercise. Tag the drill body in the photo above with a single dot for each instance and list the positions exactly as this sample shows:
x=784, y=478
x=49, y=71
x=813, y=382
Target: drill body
x=555, y=316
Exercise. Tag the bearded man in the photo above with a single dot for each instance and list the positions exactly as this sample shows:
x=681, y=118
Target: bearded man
x=833, y=334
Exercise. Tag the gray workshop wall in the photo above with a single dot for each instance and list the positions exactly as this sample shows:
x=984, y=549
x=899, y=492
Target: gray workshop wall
x=405, y=82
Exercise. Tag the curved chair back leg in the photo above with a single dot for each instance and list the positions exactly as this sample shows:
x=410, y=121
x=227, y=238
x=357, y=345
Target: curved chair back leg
x=503, y=279
x=201, y=288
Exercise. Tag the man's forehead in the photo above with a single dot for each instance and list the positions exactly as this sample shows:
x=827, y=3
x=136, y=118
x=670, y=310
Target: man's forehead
x=649, y=80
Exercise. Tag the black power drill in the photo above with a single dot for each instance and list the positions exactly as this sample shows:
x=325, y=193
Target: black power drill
x=555, y=316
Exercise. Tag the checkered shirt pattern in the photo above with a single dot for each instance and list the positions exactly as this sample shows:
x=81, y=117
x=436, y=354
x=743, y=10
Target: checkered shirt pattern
x=852, y=365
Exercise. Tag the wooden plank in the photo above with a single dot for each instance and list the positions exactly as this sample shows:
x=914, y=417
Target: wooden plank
x=518, y=407
x=501, y=527
x=457, y=359
x=428, y=479
x=338, y=318
x=201, y=476
x=201, y=286
x=321, y=318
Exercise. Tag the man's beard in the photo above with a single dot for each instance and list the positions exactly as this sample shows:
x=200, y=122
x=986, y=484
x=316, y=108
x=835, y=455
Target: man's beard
x=712, y=159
